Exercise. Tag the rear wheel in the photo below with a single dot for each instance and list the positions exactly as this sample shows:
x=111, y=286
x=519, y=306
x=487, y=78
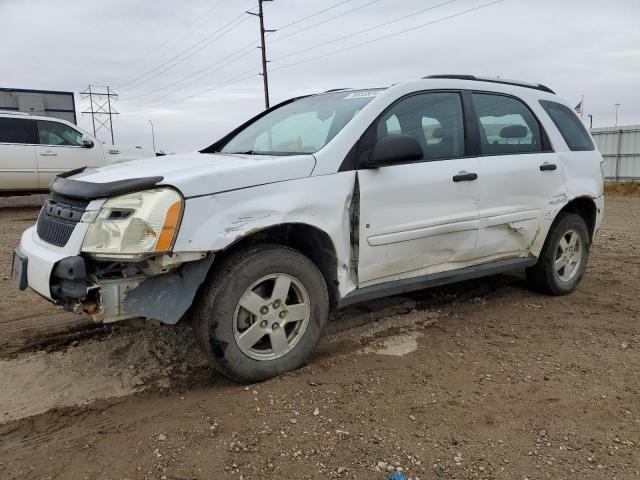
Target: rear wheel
x=564, y=256
x=262, y=314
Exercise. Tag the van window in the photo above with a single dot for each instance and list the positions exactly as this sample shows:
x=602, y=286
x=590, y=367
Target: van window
x=434, y=119
x=571, y=128
x=54, y=133
x=16, y=130
x=507, y=126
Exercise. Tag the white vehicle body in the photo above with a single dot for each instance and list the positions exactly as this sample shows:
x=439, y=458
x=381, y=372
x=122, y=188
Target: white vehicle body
x=34, y=149
x=371, y=230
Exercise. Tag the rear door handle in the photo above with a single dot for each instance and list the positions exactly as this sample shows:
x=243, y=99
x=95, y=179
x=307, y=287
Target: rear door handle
x=465, y=177
x=48, y=153
x=548, y=166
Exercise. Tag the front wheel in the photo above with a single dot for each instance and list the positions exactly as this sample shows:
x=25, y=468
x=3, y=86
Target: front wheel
x=564, y=256
x=262, y=313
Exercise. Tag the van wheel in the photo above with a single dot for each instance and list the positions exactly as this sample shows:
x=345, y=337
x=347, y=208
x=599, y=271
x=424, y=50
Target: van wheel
x=262, y=313
x=564, y=256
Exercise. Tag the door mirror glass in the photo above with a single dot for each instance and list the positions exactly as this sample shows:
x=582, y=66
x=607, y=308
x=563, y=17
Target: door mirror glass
x=392, y=149
x=87, y=141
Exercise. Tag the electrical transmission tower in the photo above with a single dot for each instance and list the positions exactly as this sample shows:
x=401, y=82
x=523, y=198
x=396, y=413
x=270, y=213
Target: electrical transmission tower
x=263, y=47
x=100, y=107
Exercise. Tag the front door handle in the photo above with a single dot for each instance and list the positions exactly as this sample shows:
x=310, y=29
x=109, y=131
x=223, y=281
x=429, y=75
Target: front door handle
x=548, y=166
x=48, y=153
x=465, y=177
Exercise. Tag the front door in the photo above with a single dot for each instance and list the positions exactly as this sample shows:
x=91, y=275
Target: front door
x=61, y=150
x=419, y=217
x=522, y=178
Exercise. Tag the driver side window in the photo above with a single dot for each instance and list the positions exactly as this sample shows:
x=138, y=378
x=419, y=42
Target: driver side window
x=434, y=119
x=58, y=134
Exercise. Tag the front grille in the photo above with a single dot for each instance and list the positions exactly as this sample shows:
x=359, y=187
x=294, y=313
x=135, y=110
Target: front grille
x=58, y=218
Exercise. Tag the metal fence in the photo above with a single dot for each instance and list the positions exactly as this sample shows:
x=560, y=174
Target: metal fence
x=620, y=148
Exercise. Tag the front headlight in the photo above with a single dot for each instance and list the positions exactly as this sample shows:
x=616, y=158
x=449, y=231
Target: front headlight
x=135, y=224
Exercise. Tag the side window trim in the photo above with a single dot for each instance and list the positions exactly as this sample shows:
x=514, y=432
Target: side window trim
x=352, y=159
x=474, y=122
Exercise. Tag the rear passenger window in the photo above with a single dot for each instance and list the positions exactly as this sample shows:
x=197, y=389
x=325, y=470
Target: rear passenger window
x=507, y=126
x=570, y=126
x=434, y=119
x=16, y=130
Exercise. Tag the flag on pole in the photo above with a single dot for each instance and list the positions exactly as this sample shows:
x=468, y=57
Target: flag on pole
x=578, y=107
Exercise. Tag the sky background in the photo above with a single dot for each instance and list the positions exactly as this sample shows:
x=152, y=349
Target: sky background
x=192, y=66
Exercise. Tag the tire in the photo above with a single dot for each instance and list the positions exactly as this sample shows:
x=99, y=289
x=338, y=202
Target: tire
x=230, y=306
x=550, y=277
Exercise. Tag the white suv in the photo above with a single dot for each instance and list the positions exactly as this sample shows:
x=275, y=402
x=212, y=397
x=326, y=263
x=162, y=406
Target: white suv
x=33, y=150
x=321, y=202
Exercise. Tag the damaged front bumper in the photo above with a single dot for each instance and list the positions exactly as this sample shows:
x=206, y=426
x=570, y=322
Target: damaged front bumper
x=161, y=288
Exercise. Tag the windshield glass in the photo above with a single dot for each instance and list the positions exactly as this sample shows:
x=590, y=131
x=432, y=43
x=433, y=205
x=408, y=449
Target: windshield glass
x=303, y=126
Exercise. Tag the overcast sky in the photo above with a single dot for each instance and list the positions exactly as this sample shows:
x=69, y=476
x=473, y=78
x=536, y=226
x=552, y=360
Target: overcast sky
x=160, y=52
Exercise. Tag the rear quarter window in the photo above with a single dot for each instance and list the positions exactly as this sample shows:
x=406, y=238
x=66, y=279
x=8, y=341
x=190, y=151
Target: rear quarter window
x=16, y=130
x=569, y=125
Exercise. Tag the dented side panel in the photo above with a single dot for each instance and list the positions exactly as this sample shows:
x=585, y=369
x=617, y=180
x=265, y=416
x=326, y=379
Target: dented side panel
x=518, y=203
x=213, y=223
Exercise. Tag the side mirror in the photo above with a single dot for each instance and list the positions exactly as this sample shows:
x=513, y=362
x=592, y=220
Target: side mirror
x=392, y=149
x=87, y=142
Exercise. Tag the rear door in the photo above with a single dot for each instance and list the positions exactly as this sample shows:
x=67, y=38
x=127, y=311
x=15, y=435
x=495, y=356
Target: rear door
x=418, y=217
x=60, y=149
x=18, y=166
x=521, y=177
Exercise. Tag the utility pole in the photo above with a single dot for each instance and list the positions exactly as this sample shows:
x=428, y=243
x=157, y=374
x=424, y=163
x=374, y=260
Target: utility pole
x=263, y=47
x=617, y=107
x=590, y=121
x=100, y=106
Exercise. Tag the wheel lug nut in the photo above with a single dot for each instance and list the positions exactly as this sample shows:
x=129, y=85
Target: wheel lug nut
x=264, y=310
x=283, y=314
x=275, y=326
x=276, y=304
x=263, y=324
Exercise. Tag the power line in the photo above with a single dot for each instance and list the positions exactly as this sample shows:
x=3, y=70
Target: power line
x=188, y=29
x=235, y=79
x=241, y=77
x=387, y=36
x=186, y=77
x=375, y=27
x=135, y=81
x=244, y=53
x=314, y=14
x=309, y=27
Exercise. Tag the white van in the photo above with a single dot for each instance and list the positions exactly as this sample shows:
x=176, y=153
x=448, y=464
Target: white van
x=34, y=149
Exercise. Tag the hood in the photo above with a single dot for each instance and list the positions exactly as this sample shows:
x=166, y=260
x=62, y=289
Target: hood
x=205, y=173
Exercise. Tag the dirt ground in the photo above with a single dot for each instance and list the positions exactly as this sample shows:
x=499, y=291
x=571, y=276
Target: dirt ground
x=479, y=380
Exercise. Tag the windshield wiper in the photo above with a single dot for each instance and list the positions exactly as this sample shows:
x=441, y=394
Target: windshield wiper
x=248, y=152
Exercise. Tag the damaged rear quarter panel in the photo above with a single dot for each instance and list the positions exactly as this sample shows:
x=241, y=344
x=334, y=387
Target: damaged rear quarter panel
x=214, y=222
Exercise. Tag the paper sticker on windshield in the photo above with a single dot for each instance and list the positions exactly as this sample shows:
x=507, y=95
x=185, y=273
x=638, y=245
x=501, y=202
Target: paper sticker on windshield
x=362, y=94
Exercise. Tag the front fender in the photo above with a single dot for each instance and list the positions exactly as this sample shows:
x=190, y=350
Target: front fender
x=214, y=222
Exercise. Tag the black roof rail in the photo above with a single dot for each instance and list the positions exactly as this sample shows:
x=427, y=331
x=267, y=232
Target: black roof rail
x=337, y=90
x=536, y=86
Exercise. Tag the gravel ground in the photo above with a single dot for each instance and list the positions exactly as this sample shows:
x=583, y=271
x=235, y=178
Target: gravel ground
x=479, y=380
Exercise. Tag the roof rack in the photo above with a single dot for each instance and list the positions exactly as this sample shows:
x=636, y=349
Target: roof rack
x=337, y=90
x=12, y=112
x=536, y=86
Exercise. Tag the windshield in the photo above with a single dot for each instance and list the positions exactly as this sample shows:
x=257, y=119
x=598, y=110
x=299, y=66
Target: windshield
x=303, y=126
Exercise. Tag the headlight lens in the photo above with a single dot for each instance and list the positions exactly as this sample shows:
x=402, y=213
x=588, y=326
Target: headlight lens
x=134, y=224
